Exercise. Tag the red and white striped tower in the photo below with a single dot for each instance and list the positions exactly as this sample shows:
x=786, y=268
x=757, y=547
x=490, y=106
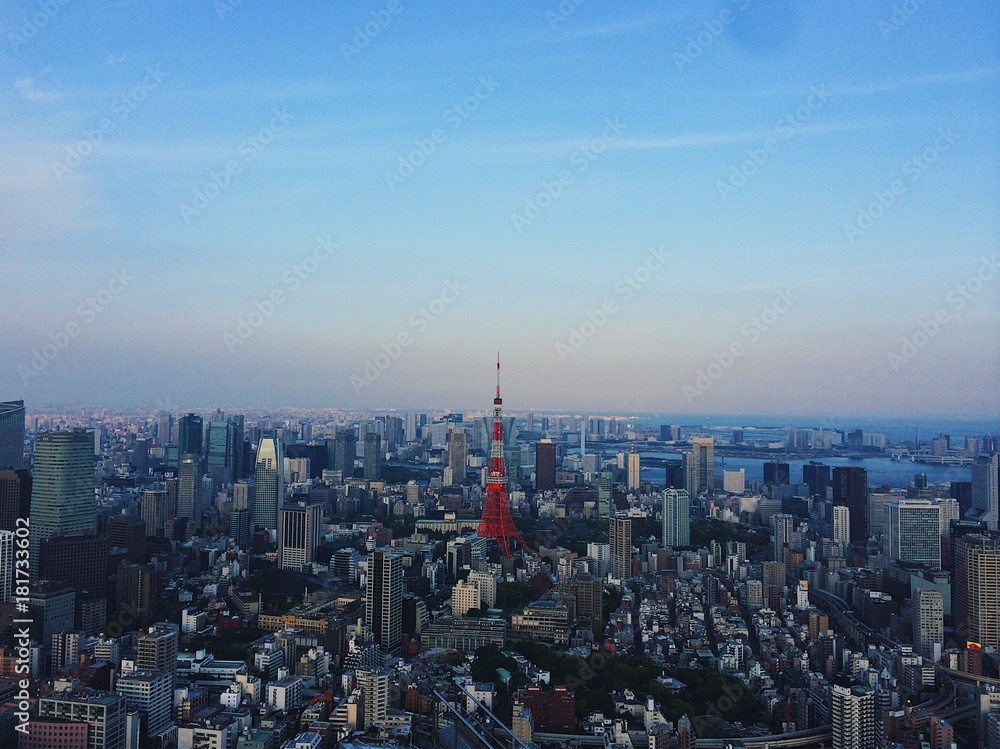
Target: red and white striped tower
x=497, y=522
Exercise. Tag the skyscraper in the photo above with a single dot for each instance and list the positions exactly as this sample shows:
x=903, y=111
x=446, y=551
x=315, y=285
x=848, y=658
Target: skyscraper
x=986, y=491
x=137, y=592
x=15, y=497
x=189, y=434
x=219, y=450
x=153, y=511
x=976, y=600
x=411, y=428
x=12, y=434
x=699, y=466
x=913, y=531
x=298, y=535
x=164, y=422
x=817, y=477
x=620, y=535
x=850, y=488
x=241, y=522
x=545, y=465
x=269, y=483
x=62, y=491
x=189, y=488
x=344, y=453
x=928, y=623
x=676, y=518
x=373, y=457
x=632, y=465
x=776, y=474
x=781, y=528
x=852, y=715
x=384, y=599
x=605, y=494
x=458, y=453
x=842, y=524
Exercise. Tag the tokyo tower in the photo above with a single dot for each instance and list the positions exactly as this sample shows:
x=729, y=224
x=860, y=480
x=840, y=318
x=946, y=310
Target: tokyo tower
x=497, y=522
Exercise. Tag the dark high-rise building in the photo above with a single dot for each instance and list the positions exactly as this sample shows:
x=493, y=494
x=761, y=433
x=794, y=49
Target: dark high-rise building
x=128, y=532
x=62, y=490
x=137, y=593
x=15, y=497
x=345, y=452
x=675, y=476
x=776, y=474
x=219, y=450
x=545, y=465
x=139, y=459
x=850, y=489
x=173, y=489
x=855, y=440
x=12, y=434
x=458, y=453
x=817, y=477
x=241, y=528
x=962, y=491
x=236, y=462
x=80, y=561
x=189, y=435
x=189, y=488
x=384, y=599
x=373, y=457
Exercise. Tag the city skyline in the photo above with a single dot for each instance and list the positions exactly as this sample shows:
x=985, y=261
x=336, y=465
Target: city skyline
x=674, y=210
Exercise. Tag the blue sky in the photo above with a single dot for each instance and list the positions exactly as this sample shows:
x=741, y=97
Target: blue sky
x=804, y=185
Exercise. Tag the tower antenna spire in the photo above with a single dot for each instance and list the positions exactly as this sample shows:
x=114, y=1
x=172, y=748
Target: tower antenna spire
x=497, y=523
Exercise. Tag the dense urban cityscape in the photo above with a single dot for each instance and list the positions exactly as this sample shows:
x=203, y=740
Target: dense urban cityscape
x=523, y=375
x=298, y=579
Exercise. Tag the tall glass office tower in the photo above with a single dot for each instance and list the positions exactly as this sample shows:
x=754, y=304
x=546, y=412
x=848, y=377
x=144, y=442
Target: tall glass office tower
x=62, y=492
x=269, y=483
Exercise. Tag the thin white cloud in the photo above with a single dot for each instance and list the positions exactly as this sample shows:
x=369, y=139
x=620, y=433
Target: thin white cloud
x=892, y=84
x=116, y=60
x=619, y=27
x=699, y=140
x=27, y=91
x=560, y=148
x=918, y=81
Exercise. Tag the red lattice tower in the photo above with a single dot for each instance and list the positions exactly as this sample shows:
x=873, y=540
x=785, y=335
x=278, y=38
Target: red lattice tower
x=497, y=522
